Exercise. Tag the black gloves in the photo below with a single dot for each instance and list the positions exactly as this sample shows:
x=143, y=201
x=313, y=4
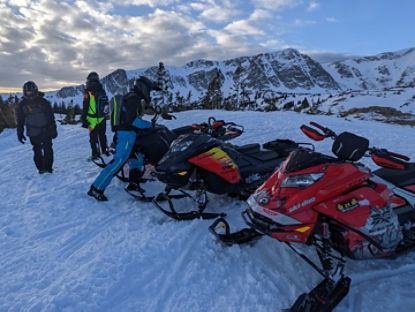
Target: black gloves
x=54, y=133
x=21, y=138
x=85, y=125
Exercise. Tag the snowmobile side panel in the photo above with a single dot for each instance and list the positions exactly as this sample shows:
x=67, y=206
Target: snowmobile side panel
x=410, y=188
x=398, y=201
x=371, y=228
x=217, y=161
x=353, y=208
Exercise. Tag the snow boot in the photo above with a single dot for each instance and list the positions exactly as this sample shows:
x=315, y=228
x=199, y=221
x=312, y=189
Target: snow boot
x=97, y=194
x=134, y=187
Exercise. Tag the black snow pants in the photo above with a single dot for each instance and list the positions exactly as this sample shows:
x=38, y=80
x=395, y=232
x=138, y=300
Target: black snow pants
x=98, y=139
x=43, y=152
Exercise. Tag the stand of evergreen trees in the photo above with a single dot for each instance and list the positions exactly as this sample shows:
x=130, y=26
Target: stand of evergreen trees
x=7, y=119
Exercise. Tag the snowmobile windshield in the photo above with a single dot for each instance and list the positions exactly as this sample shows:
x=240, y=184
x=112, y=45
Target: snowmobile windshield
x=303, y=159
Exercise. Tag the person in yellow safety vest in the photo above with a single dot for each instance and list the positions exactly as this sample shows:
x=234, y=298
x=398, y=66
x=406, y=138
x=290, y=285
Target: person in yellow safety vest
x=95, y=110
x=127, y=121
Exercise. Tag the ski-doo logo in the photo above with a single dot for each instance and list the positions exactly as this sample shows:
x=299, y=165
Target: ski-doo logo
x=303, y=204
x=348, y=205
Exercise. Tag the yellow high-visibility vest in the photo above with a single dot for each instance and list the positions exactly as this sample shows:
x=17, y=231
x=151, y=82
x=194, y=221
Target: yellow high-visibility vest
x=92, y=113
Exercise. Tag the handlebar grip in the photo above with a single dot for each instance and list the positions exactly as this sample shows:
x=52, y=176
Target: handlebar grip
x=210, y=120
x=317, y=125
x=400, y=156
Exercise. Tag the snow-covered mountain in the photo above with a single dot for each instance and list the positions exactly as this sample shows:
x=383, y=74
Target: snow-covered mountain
x=386, y=70
x=286, y=71
x=282, y=71
x=376, y=87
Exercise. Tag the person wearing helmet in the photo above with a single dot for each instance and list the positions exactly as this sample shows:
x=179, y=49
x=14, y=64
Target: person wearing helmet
x=127, y=122
x=94, y=112
x=35, y=112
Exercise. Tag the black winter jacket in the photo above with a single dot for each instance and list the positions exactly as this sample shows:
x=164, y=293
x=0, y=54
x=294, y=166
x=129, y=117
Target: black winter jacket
x=36, y=113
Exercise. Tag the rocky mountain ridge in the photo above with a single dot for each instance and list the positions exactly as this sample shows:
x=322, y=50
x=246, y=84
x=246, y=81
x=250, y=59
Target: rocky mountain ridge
x=286, y=71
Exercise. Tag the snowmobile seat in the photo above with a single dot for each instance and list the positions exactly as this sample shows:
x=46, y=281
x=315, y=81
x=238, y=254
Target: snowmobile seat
x=248, y=148
x=183, y=130
x=399, y=177
x=265, y=155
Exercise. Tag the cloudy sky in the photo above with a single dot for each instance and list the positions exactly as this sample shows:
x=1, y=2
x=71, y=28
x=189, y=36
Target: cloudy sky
x=56, y=43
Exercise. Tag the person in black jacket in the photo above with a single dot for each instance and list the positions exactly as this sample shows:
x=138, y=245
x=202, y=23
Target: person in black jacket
x=94, y=112
x=36, y=113
x=127, y=122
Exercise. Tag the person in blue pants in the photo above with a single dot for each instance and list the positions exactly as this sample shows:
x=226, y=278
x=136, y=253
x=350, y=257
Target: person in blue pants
x=127, y=123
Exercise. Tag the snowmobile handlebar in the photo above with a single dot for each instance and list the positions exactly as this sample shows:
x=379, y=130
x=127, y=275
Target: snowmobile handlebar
x=327, y=132
x=385, y=152
x=158, y=111
x=380, y=156
x=214, y=123
x=317, y=135
x=384, y=158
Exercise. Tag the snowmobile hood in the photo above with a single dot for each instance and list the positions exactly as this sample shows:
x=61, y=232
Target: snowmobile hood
x=292, y=195
x=184, y=147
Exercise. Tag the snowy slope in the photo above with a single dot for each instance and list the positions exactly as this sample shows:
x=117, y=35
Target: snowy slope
x=63, y=251
x=385, y=70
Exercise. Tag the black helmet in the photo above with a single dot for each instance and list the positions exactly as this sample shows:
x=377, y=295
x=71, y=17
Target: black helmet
x=92, y=76
x=143, y=86
x=30, y=89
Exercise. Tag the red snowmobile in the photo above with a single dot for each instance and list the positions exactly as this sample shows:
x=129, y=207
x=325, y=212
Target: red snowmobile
x=154, y=142
x=336, y=205
x=201, y=163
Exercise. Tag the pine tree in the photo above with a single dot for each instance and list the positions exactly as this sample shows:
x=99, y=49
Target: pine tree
x=7, y=119
x=214, y=96
x=189, y=98
x=236, y=88
x=78, y=109
x=55, y=108
x=70, y=113
x=162, y=82
x=244, y=96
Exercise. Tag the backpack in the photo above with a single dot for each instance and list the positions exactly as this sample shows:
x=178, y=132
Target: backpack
x=101, y=101
x=115, y=110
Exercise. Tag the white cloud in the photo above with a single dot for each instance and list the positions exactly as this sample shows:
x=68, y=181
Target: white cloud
x=150, y=3
x=331, y=19
x=217, y=11
x=299, y=22
x=57, y=43
x=313, y=5
x=276, y=5
x=249, y=26
x=243, y=27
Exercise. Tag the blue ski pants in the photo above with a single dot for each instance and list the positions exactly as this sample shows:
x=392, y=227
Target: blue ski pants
x=125, y=144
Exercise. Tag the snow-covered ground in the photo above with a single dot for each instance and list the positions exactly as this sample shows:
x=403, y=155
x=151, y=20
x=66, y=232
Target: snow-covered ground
x=60, y=250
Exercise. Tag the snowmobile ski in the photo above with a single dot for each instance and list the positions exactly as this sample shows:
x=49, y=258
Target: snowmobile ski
x=141, y=196
x=185, y=216
x=324, y=297
x=246, y=235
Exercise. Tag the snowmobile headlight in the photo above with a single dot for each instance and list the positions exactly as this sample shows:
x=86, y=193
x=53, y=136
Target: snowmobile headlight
x=181, y=147
x=301, y=181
